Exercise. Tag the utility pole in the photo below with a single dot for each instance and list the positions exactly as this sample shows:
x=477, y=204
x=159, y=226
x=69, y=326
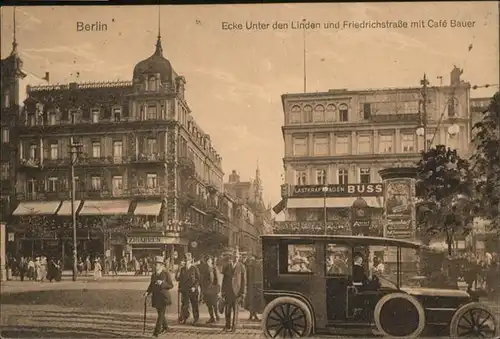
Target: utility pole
x=75, y=150
x=424, y=84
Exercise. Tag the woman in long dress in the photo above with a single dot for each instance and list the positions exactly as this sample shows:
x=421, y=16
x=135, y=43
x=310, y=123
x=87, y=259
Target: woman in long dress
x=97, y=269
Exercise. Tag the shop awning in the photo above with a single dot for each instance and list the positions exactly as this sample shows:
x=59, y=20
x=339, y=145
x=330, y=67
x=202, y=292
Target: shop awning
x=150, y=208
x=65, y=209
x=198, y=210
x=105, y=207
x=37, y=208
x=337, y=202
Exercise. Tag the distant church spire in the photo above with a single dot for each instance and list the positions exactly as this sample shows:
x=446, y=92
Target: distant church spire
x=159, y=49
x=14, y=41
x=258, y=184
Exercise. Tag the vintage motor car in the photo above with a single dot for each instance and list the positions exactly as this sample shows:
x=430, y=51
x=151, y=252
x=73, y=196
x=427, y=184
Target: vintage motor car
x=316, y=284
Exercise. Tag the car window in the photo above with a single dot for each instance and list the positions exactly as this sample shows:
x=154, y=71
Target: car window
x=300, y=258
x=338, y=259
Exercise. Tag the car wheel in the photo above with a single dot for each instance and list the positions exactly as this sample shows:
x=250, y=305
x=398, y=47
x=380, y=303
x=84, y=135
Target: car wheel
x=287, y=317
x=399, y=315
x=474, y=320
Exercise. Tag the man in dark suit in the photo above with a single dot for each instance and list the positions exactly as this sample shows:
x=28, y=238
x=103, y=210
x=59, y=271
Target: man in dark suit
x=189, y=283
x=358, y=271
x=234, y=285
x=159, y=287
x=210, y=287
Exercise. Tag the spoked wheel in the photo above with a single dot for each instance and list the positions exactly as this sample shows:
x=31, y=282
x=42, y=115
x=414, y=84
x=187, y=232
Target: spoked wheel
x=286, y=317
x=474, y=320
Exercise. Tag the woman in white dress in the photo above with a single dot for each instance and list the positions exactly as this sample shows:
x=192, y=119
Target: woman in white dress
x=97, y=269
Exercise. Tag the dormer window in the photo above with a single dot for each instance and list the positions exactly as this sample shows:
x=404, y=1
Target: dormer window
x=95, y=114
x=117, y=114
x=152, y=83
x=73, y=116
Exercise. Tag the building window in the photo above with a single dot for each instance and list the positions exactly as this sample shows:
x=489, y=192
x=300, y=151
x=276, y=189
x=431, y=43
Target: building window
x=5, y=135
x=321, y=177
x=151, y=146
x=307, y=113
x=117, y=185
x=6, y=99
x=301, y=178
x=386, y=143
x=319, y=113
x=73, y=116
x=342, y=145
x=5, y=170
x=299, y=146
x=367, y=111
x=343, y=176
x=151, y=180
x=32, y=120
x=152, y=114
x=343, y=113
x=117, y=114
x=32, y=154
x=364, y=175
x=51, y=184
x=151, y=84
x=96, y=184
x=95, y=113
x=52, y=119
x=321, y=145
x=364, y=144
x=451, y=107
x=31, y=188
x=408, y=143
x=54, y=148
x=117, y=150
x=295, y=117
x=96, y=150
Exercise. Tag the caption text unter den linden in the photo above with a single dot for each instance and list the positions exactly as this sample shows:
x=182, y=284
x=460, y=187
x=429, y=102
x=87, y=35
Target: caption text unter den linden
x=251, y=25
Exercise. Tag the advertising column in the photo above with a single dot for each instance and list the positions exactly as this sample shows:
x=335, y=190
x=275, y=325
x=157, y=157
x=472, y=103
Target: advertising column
x=399, y=211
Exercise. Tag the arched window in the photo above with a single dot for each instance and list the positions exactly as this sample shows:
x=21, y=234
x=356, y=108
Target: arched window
x=343, y=113
x=307, y=113
x=152, y=83
x=331, y=108
x=296, y=108
x=319, y=113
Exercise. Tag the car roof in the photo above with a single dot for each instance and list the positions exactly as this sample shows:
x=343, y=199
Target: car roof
x=353, y=239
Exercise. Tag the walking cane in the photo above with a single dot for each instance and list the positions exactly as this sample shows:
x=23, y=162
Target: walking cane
x=178, y=306
x=144, y=318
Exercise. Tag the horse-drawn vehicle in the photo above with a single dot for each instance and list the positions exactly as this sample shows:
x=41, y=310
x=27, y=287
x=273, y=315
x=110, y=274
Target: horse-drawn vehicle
x=318, y=284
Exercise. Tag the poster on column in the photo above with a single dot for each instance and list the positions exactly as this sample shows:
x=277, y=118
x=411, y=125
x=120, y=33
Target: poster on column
x=398, y=198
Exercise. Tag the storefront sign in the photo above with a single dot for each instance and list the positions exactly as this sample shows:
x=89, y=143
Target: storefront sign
x=347, y=190
x=398, y=198
x=150, y=240
x=399, y=229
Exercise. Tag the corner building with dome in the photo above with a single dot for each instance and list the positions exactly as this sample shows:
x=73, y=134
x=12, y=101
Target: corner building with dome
x=148, y=180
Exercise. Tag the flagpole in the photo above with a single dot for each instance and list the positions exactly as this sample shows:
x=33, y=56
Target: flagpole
x=305, y=67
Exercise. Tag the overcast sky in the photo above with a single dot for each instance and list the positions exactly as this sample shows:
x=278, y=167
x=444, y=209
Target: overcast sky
x=235, y=78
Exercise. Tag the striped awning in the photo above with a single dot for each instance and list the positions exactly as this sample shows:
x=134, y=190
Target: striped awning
x=149, y=208
x=30, y=208
x=65, y=209
x=332, y=202
x=105, y=207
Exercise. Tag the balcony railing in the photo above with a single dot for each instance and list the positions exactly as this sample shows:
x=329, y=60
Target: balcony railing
x=109, y=160
x=406, y=117
x=312, y=227
x=151, y=157
x=30, y=162
x=148, y=191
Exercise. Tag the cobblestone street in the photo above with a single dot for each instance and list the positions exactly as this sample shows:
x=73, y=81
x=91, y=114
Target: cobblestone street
x=104, y=309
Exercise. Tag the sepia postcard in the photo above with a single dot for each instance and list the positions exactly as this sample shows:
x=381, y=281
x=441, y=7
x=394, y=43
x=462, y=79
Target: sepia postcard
x=281, y=170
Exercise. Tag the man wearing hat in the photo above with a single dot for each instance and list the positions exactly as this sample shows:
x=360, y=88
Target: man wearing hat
x=234, y=285
x=160, y=284
x=189, y=283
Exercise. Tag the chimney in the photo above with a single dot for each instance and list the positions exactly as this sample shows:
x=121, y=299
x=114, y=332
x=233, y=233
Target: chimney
x=46, y=77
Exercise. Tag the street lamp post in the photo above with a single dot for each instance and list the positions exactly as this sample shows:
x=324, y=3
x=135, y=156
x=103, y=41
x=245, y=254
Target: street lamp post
x=75, y=150
x=324, y=190
x=422, y=129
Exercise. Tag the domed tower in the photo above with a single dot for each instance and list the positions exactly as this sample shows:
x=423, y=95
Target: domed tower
x=155, y=70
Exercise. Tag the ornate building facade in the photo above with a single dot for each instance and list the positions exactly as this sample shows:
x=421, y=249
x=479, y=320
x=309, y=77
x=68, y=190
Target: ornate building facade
x=336, y=142
x=147, y=177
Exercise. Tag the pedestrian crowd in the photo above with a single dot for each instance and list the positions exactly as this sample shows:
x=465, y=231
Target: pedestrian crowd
x=38, y=268
x=222, y=284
